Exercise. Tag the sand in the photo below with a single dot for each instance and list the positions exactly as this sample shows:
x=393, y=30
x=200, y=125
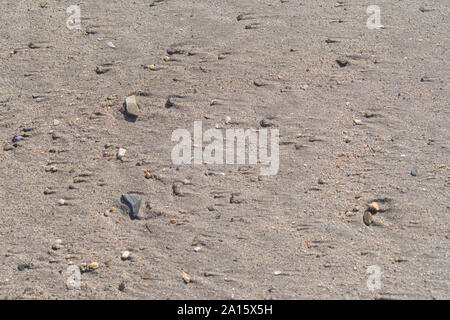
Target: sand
x=350, y=134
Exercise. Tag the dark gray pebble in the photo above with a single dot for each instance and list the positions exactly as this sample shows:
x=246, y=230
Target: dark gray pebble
x=133, y=203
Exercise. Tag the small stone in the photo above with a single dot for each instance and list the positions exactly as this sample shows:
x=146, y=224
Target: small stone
x=132, y=107
x=172, y=51
x=51, y=169
x=93, y=266
x=31, y=45
x=166, y=58
x=265, y=123
x=367, y=218
x=227, y=120
x=342, y=62
x=56, y=122
x=176, y=189
x=368, y=114
x=186, y=278
x=373, y=207
x=122, y=286
x=357, y=122
x=57, y=244
x=23, y=266
x=101, y=70
x=125, y=255
x=197, y=249
x=49, y=191
x=121, y=153
x=148, y=175
x=145, y=276
x=277, y=273
x=133, y=203
x=258, y=82
x=17, y=138
x=61, y=202
x=414, y=172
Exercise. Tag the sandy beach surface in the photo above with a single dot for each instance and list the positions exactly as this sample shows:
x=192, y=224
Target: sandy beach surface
x=362, y=114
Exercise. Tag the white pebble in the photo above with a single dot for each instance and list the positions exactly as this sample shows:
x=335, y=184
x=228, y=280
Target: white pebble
x=121, y=153
x=125, y=255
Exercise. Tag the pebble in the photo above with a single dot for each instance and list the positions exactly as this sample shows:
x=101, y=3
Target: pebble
x=357, y=122
x=101, y=70
x=368, y=114
x=265, y=123
x=342, y=62
x=56, y=122
x=57, y=244
x=24, y=266
x=125, y=255
x=258, y=82
x=121, y=153
x=93, y=266
x=373, y=207
x=122, y=286
x=61, y=202
x=111, y=45
x=414, y=172
x=17, y=138
x=227, y=120
x=132, y=107
x=176, y=189
x=186, y=277
x=367, y=218
x=145, y=276
x=172, y=51
x=133, y=203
